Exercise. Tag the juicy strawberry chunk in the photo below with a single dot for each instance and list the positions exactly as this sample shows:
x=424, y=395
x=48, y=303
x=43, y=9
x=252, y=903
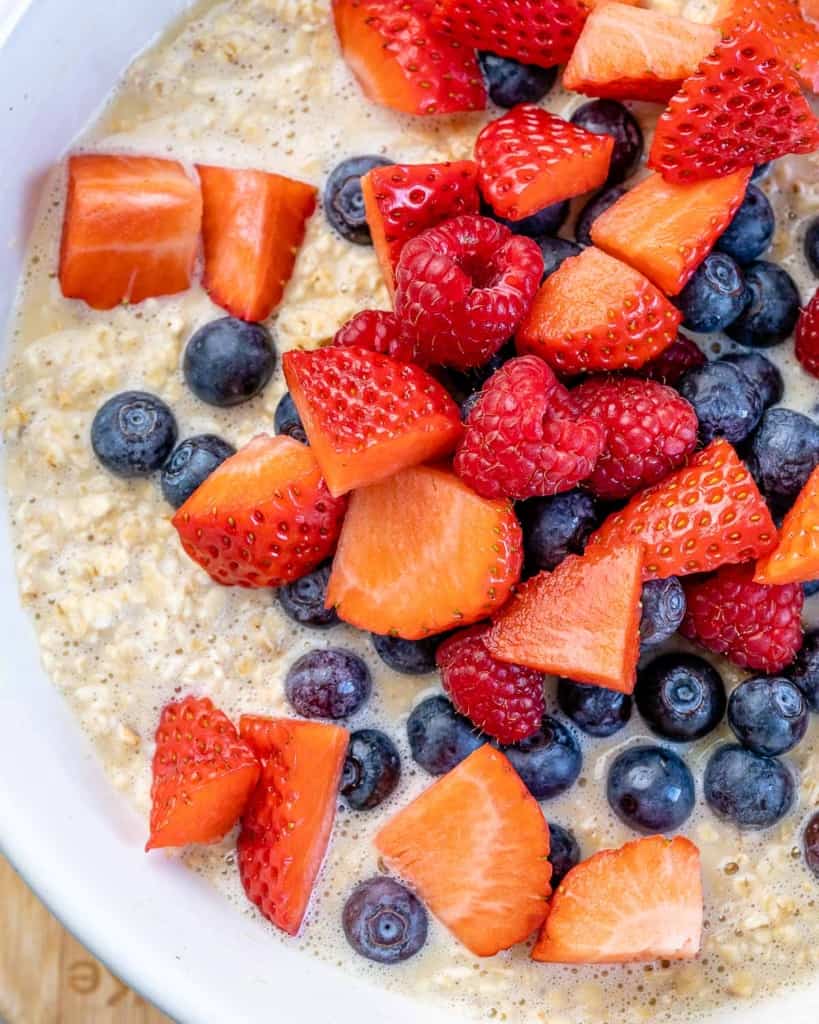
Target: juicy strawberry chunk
x=595, y=313
x=367, y=415
x=203, y=775
x=641, y=902
x=377, y=331
x=795, y=559
x=706, y=514
x=252, y=229
x=402, y=63
x=807, y=336
x=475, y=846
x=420, y=553
x=666, y=230
x=287, y=824
x=627, y=53
x=263, y=518
x=782, y=21
x=525, y=436
x=529, y=159
x=682, y=355
x=581, y=621
x=131, y=229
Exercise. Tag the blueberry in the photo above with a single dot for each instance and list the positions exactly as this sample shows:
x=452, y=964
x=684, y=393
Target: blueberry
x=681, y=696
x=343, y=200
x=727, y=404
x=468, y=405
x=768, y=715
x=591, y=211
x=556, y=527
x=750, y=232
x=810, y=841
x=548, y=762
x=228, y=361
x=608, y=117
x=331, y=683
x=410, y=657
x=715, y=295
x=286, y=419
x=133, y=434
x=463, y=384
x=371, y=770
x=547, y=221
x=650, y=789
x=805, y=669
x=663, y=611
x=303, y=599
x=594, y=709
x=384, y=922
x=555, y=251
x=748, y=789
x=772, y=308
x=564, y=852
x=761, y=373
x=811, y=588
x=784, y=451
x=812, y=245
x=439, y=737
x=509, y=82
x=761, y=171
x=190, y=464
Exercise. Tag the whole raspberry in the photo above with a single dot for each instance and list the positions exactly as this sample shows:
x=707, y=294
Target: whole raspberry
x=525, y=436
x=651, y=429
x=755, y=625
x=462, y=289
x=506, y=701
x=807, y=336
x=668, y=367
x=377, y=331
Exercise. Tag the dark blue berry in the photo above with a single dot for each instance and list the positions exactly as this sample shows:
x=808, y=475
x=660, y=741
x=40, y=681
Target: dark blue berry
x=594, y=709
x=372, y=769
x=761, y=373
x=750, y=232
x=547, y=221
x=303, y=599
x=715, y=296
x=555, y=251
x=772, y=308
x=343, y=199
x=591, y=211
x=133, y=434
x=811, y=588
x=439, y=737
x=768, y=715
x=748, y=789
x=805, y=669
x=727, y=404
x=190, y=464
x=228, y=361
x=384, y=922
x=761, y=171
x=548, y=762
x=286, y=419
x=564, y=852
x=812, y=245
x=608, y=117
x=663, y=611
x=509, y=82
x=411, y=657
x=681, y=696
x=330, y=683
x=810, y=842
x=784, y=451
x=468, y=404
x=651, y=789
x=463, y=384
x=556, y=527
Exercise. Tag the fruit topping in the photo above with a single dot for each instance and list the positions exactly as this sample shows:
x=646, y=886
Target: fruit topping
x=747, y=789
x=409, y=657
x=812, y=245
x=810, y=842
x=608, y=117
x=371, y=770
x=805, y=669
x=190, y=464
x=328, y=683
x=556, y=527
x=714, y=296
x=762, y=374
x=343, y=198
x=768, y=715
x=549, y=762
x=377, y=331
x=228, y=361
x=681, y=696
x=304, y=600
x=751, y=231
x=807, y=336
x=795, y=559
x=439, y=738
x=782, y=22
x=133, y=434
x=668, y=367
x=564, y=852
x=726, y=401
x=591, y=211
x=384, y=922
x=650, y=789
x=771, y=307
x=555, y=252
x=663, y=610
x=286, y=419
x=595, y=710
x=510, y=82
x=783, y=453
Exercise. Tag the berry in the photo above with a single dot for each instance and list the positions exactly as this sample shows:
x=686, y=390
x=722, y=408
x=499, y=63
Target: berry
x=750, y=232
x=547, y=221
x=555, y=251
x=805, y=669
x=772, y=307
x=549, y=762
x=376, y=331
x=410, y=657
x=287, y=420
x=564, y=852
x=384, y=922
x=372, y=769
x=761, y=373
x=228, y=361
x=811, y=588
x=509, y=82
x=556, y=527
x=607, y=117
x=812, y=245
x=594, y=207
x=663, y=611
x=595, y=710
x=343, y=200
x=725, y=401
x=807, y=335
x=796, y=557
x=681, y=696
x=668, y=367
x=440, y=738
x=784, y=452
x=190, y=464
x=328, y=683
x=133, y=434
x=761, y=171
x=304, y=599
x=768, y=715
x=810, y=842
x=752, y=791
x=650, y=789
x=463, y=384
x=715, y=295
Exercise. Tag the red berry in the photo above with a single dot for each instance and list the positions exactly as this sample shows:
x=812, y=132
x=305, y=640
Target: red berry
x=807, y=336
x=525, y=436
x=668, y=367
x=377, y=331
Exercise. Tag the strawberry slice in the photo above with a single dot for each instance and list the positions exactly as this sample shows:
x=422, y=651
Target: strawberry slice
x=627, y=53
x=795, y=559
x=641, y=902
x=263, y=518
x=666, y=230
x=581, y=621
x=131, y=229
x=529, y=159
x=403, y=200
x=475, y=846
x=203, y=775
x=782, y=21
x=287, y=823
x=253, y=227
x=707, y=514
x=401, y=62
x=367, y=415
x=595, y=313
x=420, y=553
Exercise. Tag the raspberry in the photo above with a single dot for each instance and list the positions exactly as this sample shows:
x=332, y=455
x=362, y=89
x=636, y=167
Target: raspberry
x=668, y=367
x=525, y=435
x=807, y=336
x=505, y=701
x=755, y=625
x=651, y=429
x=377, y=331
x=463, y=288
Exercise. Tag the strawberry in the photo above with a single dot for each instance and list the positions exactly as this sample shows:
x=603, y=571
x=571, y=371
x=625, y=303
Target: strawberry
x=131, y=229
x=627, y=53
x=595, y=313
x=807, y=336
x=263, y=518
x=810, y=10
x=796, y=38
x=795, y=559
x=203, y=775
x=529, y=159
x=641, y=902
x=367, y=415
x=475, y=846
x=666, y=230
x=420, y=553
x=252, y=229
x=581, y=621
x=401, y=62
x=706, y=514
x=287, y=823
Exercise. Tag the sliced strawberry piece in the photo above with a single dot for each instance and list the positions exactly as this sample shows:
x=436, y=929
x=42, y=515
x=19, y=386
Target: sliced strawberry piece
x=782, y=21
x=203, y=775
x=641, y=902
x=795, y=559
x=475, y=846
x=810, y=10
x=666, y=230
x=596, y=313
x=287, y=824
x=420, y=553
x=263, y=518
x=131, y=229
x=529, y=159
x=367, y=415
x=402, y=63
